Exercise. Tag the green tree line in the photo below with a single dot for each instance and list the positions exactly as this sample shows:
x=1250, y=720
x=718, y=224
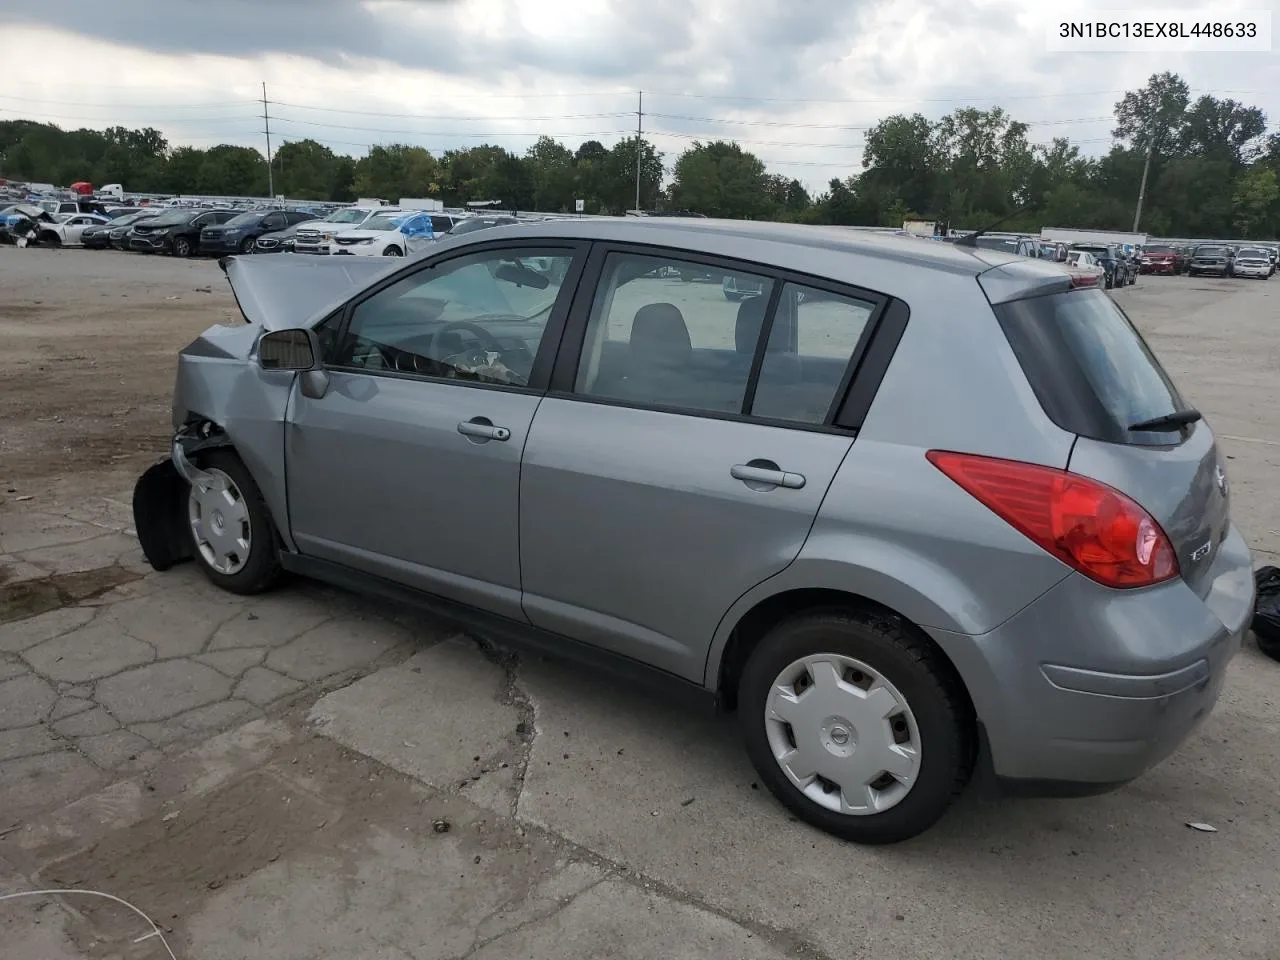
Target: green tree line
x=1211, y=171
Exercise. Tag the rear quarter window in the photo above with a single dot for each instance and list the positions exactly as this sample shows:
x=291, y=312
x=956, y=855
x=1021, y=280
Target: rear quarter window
x=1090, y=368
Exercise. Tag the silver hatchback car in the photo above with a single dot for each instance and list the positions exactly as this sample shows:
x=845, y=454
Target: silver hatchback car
x=913, y=511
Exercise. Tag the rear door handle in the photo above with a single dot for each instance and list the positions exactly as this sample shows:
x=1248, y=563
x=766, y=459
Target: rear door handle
x=774, y=478
x=482, y=429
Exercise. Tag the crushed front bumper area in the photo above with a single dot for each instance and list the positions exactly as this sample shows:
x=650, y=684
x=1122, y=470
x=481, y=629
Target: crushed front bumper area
x=160, y=503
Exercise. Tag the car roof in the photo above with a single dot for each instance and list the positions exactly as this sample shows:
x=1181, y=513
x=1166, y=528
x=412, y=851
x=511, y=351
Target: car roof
x=761, y=241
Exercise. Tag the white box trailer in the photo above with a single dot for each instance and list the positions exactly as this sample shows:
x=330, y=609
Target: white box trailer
x=421, y=203
x=1070, y=235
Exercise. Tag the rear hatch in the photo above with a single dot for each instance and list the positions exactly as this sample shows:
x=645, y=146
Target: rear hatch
x=1096, y=377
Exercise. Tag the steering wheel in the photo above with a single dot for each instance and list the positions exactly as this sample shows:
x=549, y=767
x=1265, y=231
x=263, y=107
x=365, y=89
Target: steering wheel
x=487, y=339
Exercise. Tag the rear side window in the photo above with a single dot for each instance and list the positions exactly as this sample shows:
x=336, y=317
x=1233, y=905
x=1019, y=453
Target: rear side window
x=1091, y=370
x=814, y=335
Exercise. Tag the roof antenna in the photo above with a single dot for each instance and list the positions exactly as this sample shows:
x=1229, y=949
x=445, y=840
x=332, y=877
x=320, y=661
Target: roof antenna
x=972, y=239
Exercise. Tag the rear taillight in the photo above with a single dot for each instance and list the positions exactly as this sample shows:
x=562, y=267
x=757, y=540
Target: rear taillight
x=1088, y=525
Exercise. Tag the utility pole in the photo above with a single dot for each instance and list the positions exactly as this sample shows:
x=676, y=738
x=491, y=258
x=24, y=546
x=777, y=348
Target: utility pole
x=266, y=126
x=1146, y=169
x=639, y=144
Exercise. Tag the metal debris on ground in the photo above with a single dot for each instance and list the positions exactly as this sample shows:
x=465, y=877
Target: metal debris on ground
x=1203, y=827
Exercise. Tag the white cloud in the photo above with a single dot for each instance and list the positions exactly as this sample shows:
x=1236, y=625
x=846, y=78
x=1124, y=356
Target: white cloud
x=797, y=83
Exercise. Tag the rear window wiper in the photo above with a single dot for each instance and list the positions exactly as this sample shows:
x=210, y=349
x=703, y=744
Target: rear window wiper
x=1176, y=420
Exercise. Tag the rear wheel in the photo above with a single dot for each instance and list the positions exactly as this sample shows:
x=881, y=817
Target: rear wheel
x=857, y=724
x=232, y=533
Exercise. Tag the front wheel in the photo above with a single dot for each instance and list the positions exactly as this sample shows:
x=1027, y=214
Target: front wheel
x=857, y=724
x=392, y=252
x=232, y=533
x=181, y=247
x=247, y=244
x=50, y=240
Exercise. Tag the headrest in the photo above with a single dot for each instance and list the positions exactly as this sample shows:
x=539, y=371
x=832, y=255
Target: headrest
x=750, y=320
x=658, y=332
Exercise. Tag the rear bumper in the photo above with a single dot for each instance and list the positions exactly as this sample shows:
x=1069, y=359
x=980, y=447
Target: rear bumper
x=1087, y=687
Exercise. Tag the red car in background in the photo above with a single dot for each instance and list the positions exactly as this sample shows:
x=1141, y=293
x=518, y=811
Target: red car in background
x=1161, y=258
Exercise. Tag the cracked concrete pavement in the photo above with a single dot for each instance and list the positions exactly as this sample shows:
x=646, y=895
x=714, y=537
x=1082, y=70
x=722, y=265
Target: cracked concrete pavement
x=311, y=774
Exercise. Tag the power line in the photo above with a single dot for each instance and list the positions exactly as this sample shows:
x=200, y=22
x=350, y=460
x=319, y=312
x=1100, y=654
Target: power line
x=425, y=116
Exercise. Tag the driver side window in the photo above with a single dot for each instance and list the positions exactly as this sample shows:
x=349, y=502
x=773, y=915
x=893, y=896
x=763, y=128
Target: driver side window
x=478, y=318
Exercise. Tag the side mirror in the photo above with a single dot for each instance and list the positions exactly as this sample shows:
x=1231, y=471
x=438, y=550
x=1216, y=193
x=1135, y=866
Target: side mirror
x=297, y=350
x=289, y=350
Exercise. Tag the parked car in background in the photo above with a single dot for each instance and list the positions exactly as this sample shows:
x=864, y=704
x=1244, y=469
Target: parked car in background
x=20, y=219
x=1055, y=251
x=119, y=235
x=1162, y=258
x=66, y=229
x=281, y=241
x=1253, y=262
x=471, y=224
x=241, y=233
x=394, y=234
x=1011, y=243
x=1113, y=263
x=175, y=231
x=1215, y=259
x=55, y=207
x=314, y=236
x=98, y=237
x=1085, y=271
x=768, y=503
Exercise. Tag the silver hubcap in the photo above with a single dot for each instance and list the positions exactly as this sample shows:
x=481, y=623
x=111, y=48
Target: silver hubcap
x=843, y=734
x=219, y=522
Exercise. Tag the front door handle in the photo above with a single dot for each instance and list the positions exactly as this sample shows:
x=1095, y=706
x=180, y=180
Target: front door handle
x=479, y=428
x=749, y=474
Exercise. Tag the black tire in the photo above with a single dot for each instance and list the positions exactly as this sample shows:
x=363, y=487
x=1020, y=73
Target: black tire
x=925, y=679
x=262, y=569
x=49, y=239
x=392, y=252
x=180, y=247
x=247, y=244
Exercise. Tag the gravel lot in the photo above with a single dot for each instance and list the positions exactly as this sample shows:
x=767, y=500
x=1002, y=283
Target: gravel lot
x=309, y=774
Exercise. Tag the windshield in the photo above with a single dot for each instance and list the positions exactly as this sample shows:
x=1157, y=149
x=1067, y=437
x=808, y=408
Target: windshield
x=244, y=220
x=1158, y=250
x=1090, y=368
x=1096, y=251
x=998, y=243
x=384, y=222
x=127, y=219
x=177, y=216
x=346, y=216
x=1210, y=251
x=1255, y=252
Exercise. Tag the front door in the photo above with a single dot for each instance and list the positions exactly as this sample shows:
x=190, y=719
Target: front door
x=409, y=466
x=684, y=459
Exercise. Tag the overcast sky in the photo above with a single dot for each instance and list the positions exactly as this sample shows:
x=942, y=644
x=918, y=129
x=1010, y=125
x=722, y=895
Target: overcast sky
x=795, y=81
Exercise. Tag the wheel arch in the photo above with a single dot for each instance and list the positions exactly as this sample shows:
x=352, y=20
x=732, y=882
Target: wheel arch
x=750, y=627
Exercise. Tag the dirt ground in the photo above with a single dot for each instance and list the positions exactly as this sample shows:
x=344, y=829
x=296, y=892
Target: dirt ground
x=90, y=346
x=311, y=774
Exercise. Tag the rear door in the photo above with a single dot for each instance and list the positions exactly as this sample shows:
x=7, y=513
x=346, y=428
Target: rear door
x=677, y=462
x=1096, y=377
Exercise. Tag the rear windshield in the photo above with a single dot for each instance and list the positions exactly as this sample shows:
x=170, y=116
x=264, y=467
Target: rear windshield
x=1090, y=368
